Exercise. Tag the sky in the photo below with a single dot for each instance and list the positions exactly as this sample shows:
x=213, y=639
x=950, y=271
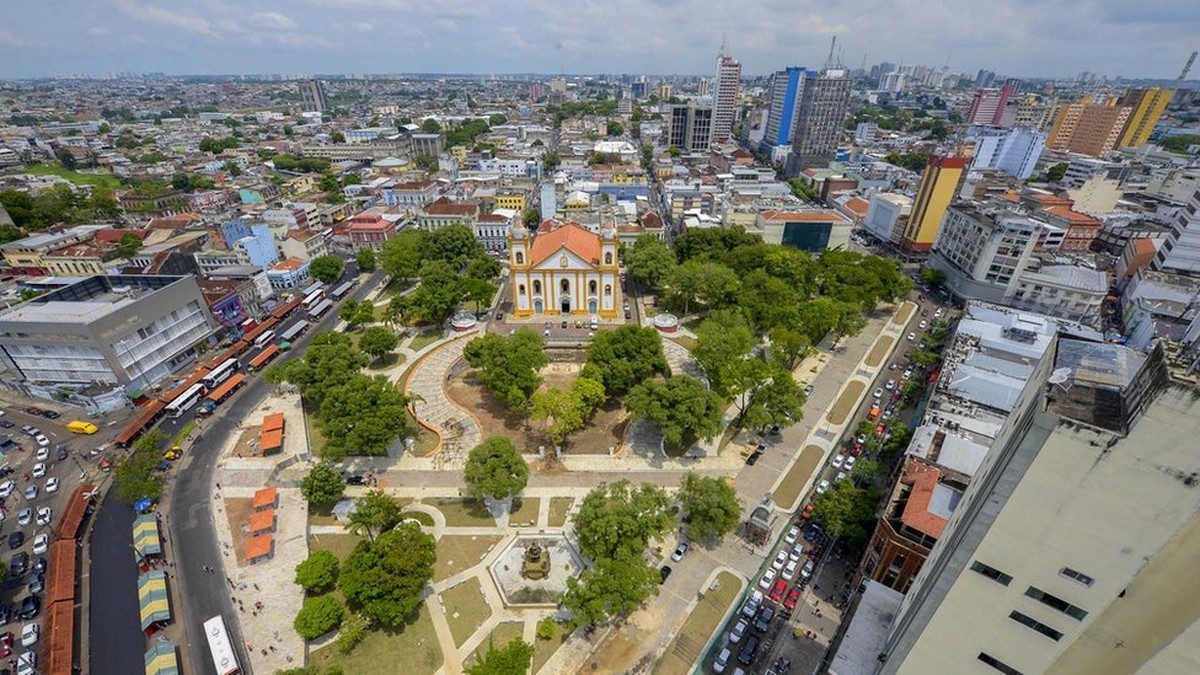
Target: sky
x=1030, y=38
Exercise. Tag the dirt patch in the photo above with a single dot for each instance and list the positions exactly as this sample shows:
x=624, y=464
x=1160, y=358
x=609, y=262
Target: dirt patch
x=238, y=510
x=606, y=428
x=625, y=649
x=881, y=349
x=904, y=314
x=846, y=402
x=247, y=443
x=792, y=483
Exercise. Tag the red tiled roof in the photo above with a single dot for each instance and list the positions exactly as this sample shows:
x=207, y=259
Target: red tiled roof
x=273, y=421
x=262, y=520
x=923, y=479
x=265, y=497
x=822, y=216
x=271, y=440
x=492, y=218
x=289, y=265
x=651, y=221
x=858, y=206
x=445, y=207
x=1066, y=213
x=571, y=236
x=258, y=547
x=114, y=236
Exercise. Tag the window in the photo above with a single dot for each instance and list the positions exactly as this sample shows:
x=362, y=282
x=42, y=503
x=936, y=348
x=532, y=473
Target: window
x=592, y=287
x=998, y=664
x=520, y=258
x=608, y=289
x=565, y=286
x=608, y=258
x=521, y=289
x=991, y=573
x=1074, y=575
x=1030, y=622
x=537, y=287
x=1055, y=602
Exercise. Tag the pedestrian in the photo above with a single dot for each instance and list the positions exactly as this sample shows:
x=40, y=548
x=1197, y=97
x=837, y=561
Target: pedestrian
x=256, y=587
x=272, y=647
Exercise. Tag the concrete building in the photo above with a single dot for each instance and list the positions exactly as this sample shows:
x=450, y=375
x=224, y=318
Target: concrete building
x=1015, y=151
x=1075, y=534
x=934, y=194
x=824, y=101
x=1088, y=128
x=690, y=127
x=24, y=256
x=1157, y=305
x=565, y=270
x=808, y=230
x=989, y=105
x=786, y=86
x=312, y=96
x=981, y=249
x=444, y=213
x=1146, y=107
x=1062, y=291
x=887, y=215
x=304, y=244
x=129, y=330
x=1180, y=253
x=288, y=274
x=368, y=230
x=491, y=229
x=727, y=84
x=1097, y=194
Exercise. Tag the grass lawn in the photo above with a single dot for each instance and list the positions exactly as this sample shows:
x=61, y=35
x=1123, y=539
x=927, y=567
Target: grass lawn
x=102, y=179
x=699, y=626
x=845, y=403
x=458, y=553
x=544, y=649
x=424, y=440
x=688, y=343
x=321, y=515
x=501, y=635
x=804, y=466
x=316, y=440
x=464, y=513
x=413, y=650
x=466, y=610
x=558, y=511
x=422, y=518
x=424, y=339
x=525, y=512
x=340, y=544
x=395, y=287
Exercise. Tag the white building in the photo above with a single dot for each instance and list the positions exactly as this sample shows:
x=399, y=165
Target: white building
x=726, y=87
x=1015, y=151
x=565, y=270
x=887, y=215
x=1180, y=253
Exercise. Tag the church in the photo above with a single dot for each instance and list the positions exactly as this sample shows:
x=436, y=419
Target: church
x=565, y=270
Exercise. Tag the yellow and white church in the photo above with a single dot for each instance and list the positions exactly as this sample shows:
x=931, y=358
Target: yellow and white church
x=565, y=270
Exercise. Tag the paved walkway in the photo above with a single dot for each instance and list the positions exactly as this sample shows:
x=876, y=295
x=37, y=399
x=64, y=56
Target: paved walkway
x=458, y=430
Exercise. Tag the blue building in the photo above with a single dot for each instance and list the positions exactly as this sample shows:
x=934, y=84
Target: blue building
x=234, y=231
x=785, y=99
x=258, y=248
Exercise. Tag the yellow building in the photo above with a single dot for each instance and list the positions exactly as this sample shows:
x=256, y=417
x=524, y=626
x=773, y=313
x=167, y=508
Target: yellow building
x=514, y=200
x=934, y=194
x=566, y=269
x=460, y=153
x=1147, y=106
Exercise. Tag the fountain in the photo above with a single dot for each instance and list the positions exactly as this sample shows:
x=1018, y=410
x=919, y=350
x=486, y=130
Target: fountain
x=535, y=566
x=523, y=572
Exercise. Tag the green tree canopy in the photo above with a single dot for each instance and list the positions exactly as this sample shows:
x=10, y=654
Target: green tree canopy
x=613, y=587
x=326, y=268
x=723, y=340
x=508, y=365
x=385, y=578
x=130, y=244
x=682, y=408
x=363, y=416
x=569, y=408
x=329, y=362
x=710, y=506
x=495, y=469
x=375, y=513
x=789, y=346
x=366, y=259
x=401, y=255
x=323, y=486
x=512, y=659
x=378, y=341
x=649, y=260
x=847, y=512
x=318, y=572
x=620, y=519
x=777, y=400
x=318, y=616
x=626, y=357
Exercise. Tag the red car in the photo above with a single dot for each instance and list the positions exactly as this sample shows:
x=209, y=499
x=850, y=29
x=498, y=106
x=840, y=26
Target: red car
x=33, y=411
x=5, y=651
x=793, y=597
x=778, y=591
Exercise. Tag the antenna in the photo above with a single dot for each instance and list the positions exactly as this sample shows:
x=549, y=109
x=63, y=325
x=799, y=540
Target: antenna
x=832, y=46
x=724, y=43
x=1184, y=73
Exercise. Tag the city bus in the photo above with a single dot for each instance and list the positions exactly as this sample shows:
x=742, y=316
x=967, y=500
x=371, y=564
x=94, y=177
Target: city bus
x=220, y=373
x=341, y=291
x=220, y=647
x=320, y=310
x=264, y=338
x=186, y=400
x=312, y=298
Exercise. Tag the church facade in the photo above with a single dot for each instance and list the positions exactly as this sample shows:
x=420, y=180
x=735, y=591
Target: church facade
x=564, y=270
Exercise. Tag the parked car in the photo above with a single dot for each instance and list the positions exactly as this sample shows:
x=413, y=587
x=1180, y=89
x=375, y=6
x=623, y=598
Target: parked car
x=923, y=325
x=808, y=568
x=778, y=590
x=6, y=424
x=797, y=552
x=822, y=487
x=19, y=564
x=33, y=410
x=912, y=337
x=52, y=484
x=61, y=454
x=29, y=430
x=752, y=604
x=31, y=492
x=780, y=560
x=16, y=540
x=37, y=584
x=746, y=656
x=739, y=629
x=753, y=458
x=722, y=661
x=789, y=572
x=680, y=551
x=838, y=461
x=792, y=535
x=25, y=516
x=30, y=634
x=768, y=577
x=850, y=462
x=39, y=470
x=50, y=414
x=663, y=573
x=6, y=488
x=43, y=454
x=890, y=384
x=39, y=564
x=44, y=515
x=793, y=597
x=41, y=544
x=762, y=623
x=6, y=614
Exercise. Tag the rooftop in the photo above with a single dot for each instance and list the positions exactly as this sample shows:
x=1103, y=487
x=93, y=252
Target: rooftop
x=929, y=503
x=88, y=299
x=50, y=240
x=571, y=236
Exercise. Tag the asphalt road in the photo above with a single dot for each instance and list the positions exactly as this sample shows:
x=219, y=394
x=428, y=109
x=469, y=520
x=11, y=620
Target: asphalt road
x=117, y=644
x=190, y=520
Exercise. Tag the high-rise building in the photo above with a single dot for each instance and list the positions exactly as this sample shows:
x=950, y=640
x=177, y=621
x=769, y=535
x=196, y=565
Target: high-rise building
x=937, y=188
x=785, y=99
x=1014, y=151
x=1146, y=105
x=989, y=104
x=824, y=100
x=1070, y=550
x=690, y=126
x=1032, y=113
x=726, y=84
x=1180, y=253
x=312, y=96
x=1087, y=127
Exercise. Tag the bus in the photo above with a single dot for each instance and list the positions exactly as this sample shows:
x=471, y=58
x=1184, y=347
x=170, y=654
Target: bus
x=341, y=291
x=319, y=311
x=264, y=338
x=264, y=357
x=186, y=400
x=220, y=373
x=220, y=647
x=294, y=332
x=313, y=298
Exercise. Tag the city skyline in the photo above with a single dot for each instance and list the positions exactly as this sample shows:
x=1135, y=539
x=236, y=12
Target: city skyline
x=1014, y=37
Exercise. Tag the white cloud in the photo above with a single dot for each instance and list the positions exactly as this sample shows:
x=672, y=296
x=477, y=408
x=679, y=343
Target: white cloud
x=156, y=14
x=364, y=26
x=98, y=31
x=7, y=39
x=273, y=20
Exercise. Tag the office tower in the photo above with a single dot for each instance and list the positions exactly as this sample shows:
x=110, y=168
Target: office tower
x=1146, y=106
x=1073, y=548
x=1087, y=127
x=985, y=78
x=703, y=87
x=824, y=99
x=785, y=98
x=690, y=126
x=989, y=104
x=937, y=188
x=1014, y=151
x=726, y=84
x=312, y=96
x=1180, y=253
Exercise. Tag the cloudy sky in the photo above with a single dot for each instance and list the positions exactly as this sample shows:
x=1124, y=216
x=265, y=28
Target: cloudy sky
x=1142, y=38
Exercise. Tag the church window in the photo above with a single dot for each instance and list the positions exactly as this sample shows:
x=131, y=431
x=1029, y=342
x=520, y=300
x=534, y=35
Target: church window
x=592, y=287
x=520, y=258
x=607, y=289
x=565, y=286
x=521, y=289
x=608, y=258
x=537, y=287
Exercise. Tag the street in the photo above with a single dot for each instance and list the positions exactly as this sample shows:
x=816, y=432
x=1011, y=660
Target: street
x=117, y=644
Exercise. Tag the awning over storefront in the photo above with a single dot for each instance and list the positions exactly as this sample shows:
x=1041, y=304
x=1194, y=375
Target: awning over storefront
x=145, y=536
x=162, y=659
x=154, y=601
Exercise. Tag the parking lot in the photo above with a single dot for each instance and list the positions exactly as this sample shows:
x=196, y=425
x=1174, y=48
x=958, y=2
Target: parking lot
x=42, y=464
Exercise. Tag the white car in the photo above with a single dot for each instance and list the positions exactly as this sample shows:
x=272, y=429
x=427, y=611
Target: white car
x=6, y=488
x=41, y=544
x=938, y=313
x=822, y=487
x=739, y=629
x=39, y=470
x=797, y=553
x=838, y=461
x=850, y=462
x=43, y=454
x=923, y=325
x=768, y=578
x=809, y=566
x=840, y=477
x=908, y=372
x=890, y=385
x=722, y=661
x=781, y=559
x=25, y=516
x=912, y=337
x=792, y=535
x=879, y=392
x=52, y=484
x=42, y=441
x=789, y=572
x=44, y=515
x=30, y=634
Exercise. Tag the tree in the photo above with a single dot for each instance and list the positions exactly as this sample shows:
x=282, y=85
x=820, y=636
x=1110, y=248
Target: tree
x=532, y=218
x=378, y=341
x=789, y=346
x=847, y=512
x=865, y=471
x=743, y=378
x=779, y=400
x=66, y=158
x=626, y=357
x=508, y=366
x=323, y=486
x=362, y=417
x=613, y=587
x=710, y=506
x=439, y=294
x=497, y=119
x=707, y=282
x=569, y=408
x=355, y=312
x=476, y=291
x=318, y=572
x=513, y=659
x=326, y=268
x=618, y=518
x=723, y=339
x=318, y=616
x=128, y=246
x=329, y=362
x=430, y=126
x=1056, y=172
x=401, y=255
x=455, y=244
x=649, y=260
x=366, y=259
x=614, y=129
x=682, y=408
x=337, y=136
x=933, y=276
x=385, y=577
x=354, y=630
x=495, y=469
x=375, y=513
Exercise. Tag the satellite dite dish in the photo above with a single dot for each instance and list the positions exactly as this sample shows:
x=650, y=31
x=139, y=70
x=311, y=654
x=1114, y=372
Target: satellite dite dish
x=1060, y=376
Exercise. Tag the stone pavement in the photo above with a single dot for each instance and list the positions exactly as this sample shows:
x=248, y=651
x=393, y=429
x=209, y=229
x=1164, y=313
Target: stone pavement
x=457, y=429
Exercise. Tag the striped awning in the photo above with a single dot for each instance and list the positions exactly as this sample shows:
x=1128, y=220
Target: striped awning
x=161, y=659
x=153, y=599
x=145, y=536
